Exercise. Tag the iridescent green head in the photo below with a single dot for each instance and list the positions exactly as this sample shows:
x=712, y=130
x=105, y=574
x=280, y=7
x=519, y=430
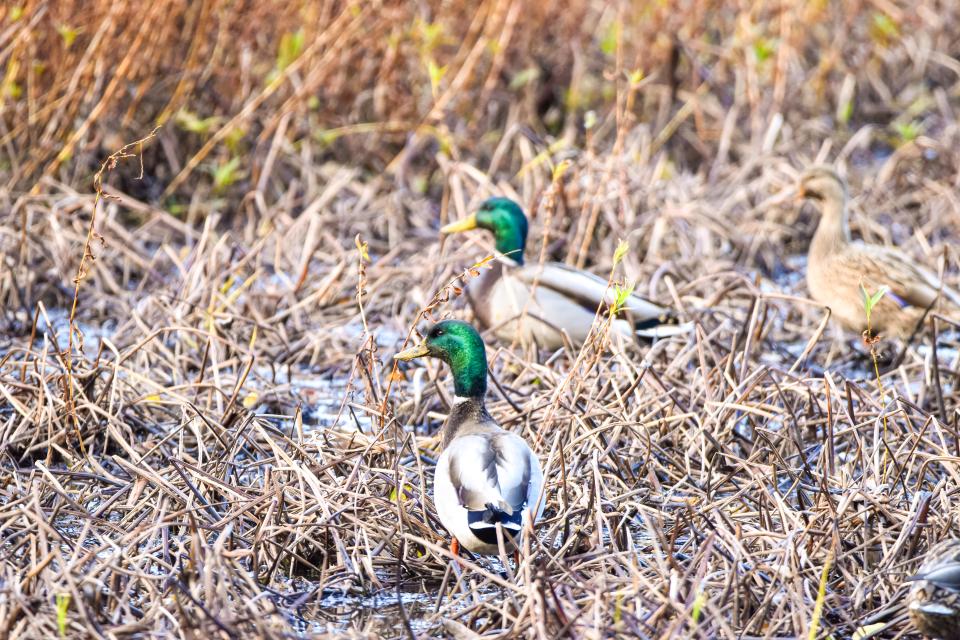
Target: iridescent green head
x=459, y=345
x=505, y=219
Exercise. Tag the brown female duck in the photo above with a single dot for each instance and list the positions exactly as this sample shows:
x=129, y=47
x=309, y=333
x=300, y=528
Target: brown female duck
x=837, y=267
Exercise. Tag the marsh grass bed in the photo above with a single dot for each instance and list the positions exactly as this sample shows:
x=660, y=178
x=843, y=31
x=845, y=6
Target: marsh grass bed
x=277, y=482
x=218, y=443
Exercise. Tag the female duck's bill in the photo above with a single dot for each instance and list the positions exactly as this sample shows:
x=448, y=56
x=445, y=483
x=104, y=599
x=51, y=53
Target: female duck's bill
x=487, y=481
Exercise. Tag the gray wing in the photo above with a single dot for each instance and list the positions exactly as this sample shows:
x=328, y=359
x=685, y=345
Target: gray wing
x=588, y=289
x=490, y=468
x=910, y=283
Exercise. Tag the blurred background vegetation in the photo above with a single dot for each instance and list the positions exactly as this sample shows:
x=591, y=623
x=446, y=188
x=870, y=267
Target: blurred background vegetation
x=248, y=90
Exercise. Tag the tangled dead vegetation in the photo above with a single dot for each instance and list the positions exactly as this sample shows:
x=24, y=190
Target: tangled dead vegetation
x=218, y=444
x=251, y=456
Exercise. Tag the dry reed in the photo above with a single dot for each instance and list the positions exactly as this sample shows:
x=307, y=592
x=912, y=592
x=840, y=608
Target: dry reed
x=253, y=465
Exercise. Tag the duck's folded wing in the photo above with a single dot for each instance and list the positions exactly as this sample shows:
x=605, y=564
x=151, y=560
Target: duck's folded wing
x=585, y=288
x=910, y=284
x=490, y=469
x=946, y=576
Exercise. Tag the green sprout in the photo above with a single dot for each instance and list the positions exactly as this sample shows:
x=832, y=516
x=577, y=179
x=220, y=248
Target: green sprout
x=436, y=73
x=608, y=44
x=763, y=49
x=870, y=301
x=908, y=131
x=291, y=46
x=698, y=603
x=226, y=174
x=524, y=77
x=620, y=252
x=68, y=34
x=884, y=28
x=846, y=112
x=63, y=603
x=233, y=138
x=10, y=87
x=621, y=295
x=191, y=122
x=430, y=34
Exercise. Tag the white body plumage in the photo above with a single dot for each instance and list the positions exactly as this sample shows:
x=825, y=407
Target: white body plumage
x=534, y=303
x=484, y=466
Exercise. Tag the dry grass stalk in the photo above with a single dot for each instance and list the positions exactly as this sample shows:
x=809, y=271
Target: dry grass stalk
x=250, y=464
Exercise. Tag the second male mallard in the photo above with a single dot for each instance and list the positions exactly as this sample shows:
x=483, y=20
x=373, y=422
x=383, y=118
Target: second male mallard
x=837, y=267
x=538, y=303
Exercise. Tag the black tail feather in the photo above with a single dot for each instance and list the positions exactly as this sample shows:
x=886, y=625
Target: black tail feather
x=483, y=524
x=653, y=323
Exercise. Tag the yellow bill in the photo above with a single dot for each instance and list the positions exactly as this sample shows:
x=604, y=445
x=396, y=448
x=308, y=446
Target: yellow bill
x=470, y=222
x=413, y=352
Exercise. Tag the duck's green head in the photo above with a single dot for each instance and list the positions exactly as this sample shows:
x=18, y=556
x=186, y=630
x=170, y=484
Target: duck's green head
x=505, y=219
x=459, y=345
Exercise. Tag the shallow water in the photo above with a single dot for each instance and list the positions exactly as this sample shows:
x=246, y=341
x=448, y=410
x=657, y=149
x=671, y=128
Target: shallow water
x=381, y=614
x=53, y=326
x=325, y=399
x=384, y=614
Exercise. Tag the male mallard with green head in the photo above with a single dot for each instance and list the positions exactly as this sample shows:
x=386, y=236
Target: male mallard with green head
x=486, y=476
x=934, y=599
x=564, y=299
x=837, y=266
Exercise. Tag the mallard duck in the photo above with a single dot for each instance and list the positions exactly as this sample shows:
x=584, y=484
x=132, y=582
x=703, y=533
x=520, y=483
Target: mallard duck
x=837, y=266
x=486, y=476
x=934, y=599
x=564, y=299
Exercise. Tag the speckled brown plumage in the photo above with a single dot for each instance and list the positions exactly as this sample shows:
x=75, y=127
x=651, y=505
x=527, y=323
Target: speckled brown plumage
x=837, y=266
x=934, y=598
